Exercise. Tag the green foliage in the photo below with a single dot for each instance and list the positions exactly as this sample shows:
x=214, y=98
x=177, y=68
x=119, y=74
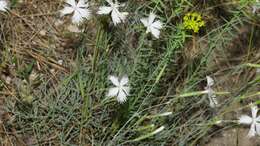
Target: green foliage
x=14, y=3
x=24, y=73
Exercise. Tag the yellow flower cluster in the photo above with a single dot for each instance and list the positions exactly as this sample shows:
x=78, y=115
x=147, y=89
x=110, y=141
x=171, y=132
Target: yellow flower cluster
x=193, y=21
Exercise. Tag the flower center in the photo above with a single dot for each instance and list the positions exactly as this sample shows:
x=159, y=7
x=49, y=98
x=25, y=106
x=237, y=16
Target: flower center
x=74, y=8
x=120, y=87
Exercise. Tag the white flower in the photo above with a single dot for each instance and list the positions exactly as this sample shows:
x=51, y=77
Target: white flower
x=152, y=25
x=254, y=121
x=258, y=70
x=208, y=89
x=80, y=10
x=255, y=7
x=117, y=17
x=3, y=5
x=121, y=91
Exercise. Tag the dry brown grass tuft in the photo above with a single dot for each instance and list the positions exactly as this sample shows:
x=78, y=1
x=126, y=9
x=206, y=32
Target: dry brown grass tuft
x=32, y=41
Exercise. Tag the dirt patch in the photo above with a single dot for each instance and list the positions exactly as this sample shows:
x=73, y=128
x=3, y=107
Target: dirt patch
x=234, y=137
x=231, y=76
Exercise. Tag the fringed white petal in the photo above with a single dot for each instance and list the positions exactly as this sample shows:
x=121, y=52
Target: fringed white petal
x=254, y=8
x=252, y=131
x=210, y=81
x=155, y=32
x=144, y=21
x=126, y=90
x=114, y=80
x=258, y=119
x=113, y=92
x=124, y=80
x=254, y=110
x=121, y=97
x=3, y=5
x=66, y=10
x=77, y=18
x=212, y=97
x=157, y=25
x=85, y=13
x=82, y=4
x=151, y=18
x=110, y=2
x=71, y=2
x=115, y=17
x=79, y=15
x=213, y=101
x=245, y=119
x=258, y=128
